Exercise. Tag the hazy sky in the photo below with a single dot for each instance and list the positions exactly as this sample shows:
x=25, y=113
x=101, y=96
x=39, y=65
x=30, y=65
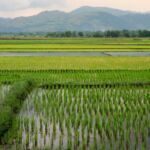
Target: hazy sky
x=14, y=8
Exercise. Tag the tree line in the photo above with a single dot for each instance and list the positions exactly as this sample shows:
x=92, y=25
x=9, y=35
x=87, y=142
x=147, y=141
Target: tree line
x=95, y=34
x=107, y=34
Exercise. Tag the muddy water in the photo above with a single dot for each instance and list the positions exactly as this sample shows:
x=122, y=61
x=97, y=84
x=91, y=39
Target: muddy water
x=74, y=53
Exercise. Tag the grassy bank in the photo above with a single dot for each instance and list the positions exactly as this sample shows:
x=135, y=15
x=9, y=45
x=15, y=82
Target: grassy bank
x=11, y=105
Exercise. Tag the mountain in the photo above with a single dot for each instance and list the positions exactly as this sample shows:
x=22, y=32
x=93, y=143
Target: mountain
x=82, y=19
x=112, y=11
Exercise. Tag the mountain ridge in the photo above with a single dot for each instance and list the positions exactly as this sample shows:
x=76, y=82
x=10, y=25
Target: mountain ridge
x=82, y=19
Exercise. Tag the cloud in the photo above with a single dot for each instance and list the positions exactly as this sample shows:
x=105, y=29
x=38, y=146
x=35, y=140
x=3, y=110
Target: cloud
x=10, y=5
x=47, y=3
x=14, y=8
x=19, y=13
x=134, y=5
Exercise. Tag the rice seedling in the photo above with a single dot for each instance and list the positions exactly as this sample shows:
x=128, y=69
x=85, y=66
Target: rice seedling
x=84, y=118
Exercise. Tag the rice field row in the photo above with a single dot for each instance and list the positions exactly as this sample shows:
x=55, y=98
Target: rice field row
x=75, y=50
x=78, y=77
x=74, y=63
x=72, y=48
x=69, y=44
x=81, y=41
x=84, y=118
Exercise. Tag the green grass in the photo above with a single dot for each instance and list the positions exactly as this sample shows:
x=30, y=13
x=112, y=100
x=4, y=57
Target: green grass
x=74, y=63
x=4, y=89
x=73, y=44
x=12, y=103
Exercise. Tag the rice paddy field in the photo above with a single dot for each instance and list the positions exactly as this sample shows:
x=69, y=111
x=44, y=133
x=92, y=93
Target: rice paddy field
x=76, y=45
x=85, y=118
x=77, y=77
x=74, y=63
x=75, y=103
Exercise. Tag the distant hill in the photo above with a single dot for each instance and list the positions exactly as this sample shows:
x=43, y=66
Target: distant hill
x=82, y=19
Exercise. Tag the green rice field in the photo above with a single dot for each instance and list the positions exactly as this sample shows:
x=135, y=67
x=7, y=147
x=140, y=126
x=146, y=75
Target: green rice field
x=80, y=45
x=74, y=63
x=77, y=77
x=75, y=102
x=85, y=118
